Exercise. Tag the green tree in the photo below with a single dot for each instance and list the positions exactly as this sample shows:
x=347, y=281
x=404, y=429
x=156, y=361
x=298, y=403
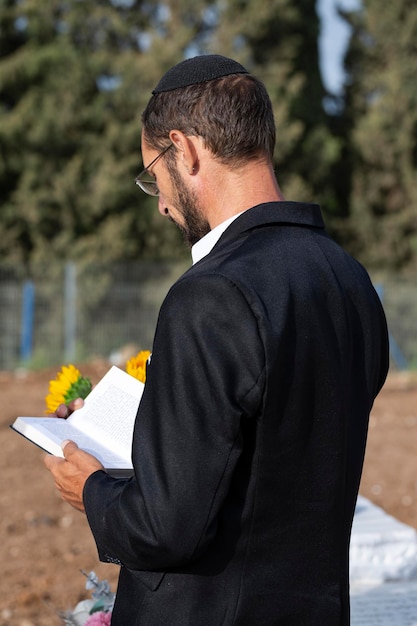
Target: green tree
x=381, y=131
x=278, y=41
x=74, y=78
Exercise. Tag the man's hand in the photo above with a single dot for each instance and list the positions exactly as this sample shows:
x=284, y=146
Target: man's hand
x=71, y=473
x=65, y=410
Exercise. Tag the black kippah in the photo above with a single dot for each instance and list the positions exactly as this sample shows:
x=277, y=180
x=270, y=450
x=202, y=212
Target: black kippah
x=197, y=70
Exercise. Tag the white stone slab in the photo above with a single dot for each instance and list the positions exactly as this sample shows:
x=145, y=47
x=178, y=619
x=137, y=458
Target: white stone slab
x=389, y=604
x=381, y=548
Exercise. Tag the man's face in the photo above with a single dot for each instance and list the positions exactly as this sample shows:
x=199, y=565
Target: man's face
x=177, y=201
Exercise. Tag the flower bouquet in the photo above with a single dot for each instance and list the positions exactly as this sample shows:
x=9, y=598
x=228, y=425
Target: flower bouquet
x=70, y=384
x=95, y=611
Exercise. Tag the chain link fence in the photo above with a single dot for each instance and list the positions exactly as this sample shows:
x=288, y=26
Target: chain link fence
x=72, y=313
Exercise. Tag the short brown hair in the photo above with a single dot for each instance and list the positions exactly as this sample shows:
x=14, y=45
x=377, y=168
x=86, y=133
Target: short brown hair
x=233, y=115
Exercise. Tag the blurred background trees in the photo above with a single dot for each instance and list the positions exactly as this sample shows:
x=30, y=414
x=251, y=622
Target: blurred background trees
x=76, y=74
x=381, y=134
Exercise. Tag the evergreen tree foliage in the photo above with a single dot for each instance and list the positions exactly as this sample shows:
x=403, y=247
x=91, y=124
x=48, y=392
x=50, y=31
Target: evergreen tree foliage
x=381, y=132
x=278, y=41
x=74, y=78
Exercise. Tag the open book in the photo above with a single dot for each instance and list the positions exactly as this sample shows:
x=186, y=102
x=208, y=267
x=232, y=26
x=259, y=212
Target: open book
x=103, y=426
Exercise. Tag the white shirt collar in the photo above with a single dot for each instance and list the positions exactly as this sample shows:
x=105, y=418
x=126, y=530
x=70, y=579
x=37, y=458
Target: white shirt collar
x=205, y=245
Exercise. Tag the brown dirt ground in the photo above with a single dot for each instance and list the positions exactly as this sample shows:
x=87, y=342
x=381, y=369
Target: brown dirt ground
x=45, y=543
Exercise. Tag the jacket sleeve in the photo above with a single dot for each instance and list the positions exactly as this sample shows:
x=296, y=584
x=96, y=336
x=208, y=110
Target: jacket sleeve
x=205, y=377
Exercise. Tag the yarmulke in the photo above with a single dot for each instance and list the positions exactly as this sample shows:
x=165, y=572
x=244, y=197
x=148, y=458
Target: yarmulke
x=200, y=69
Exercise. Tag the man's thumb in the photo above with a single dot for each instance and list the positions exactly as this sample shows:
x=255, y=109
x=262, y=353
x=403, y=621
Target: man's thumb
x=68, y=446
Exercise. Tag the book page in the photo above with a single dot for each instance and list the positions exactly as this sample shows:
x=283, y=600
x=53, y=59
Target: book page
x=109, y=411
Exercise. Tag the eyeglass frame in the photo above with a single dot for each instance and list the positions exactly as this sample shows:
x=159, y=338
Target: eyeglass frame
x=143, y=184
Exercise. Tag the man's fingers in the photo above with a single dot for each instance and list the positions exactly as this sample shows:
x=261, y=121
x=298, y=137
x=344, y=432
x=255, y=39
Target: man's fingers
x=71, y=472
x=76, y=404
x=68, y=447
x=80, y=459
x=62, y=411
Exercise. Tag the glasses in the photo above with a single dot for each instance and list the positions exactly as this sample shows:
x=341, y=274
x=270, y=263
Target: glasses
x=150, y=186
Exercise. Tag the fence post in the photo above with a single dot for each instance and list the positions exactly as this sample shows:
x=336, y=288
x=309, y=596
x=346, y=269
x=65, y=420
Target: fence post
x=70, y=315
x=28, y=309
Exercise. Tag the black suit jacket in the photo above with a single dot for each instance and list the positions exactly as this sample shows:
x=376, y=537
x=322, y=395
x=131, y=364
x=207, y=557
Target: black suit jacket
x=250, y=436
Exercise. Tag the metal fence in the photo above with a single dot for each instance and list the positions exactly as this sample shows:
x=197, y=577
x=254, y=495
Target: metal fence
x=73, y=313
x=399, y=297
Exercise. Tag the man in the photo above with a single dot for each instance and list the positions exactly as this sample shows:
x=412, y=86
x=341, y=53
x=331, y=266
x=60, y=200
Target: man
x=268, y=354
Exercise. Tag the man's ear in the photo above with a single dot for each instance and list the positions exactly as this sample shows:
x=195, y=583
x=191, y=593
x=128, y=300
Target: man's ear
x=187, y=150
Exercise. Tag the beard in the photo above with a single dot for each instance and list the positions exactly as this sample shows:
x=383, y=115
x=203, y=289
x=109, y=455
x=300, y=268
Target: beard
x=195, y=224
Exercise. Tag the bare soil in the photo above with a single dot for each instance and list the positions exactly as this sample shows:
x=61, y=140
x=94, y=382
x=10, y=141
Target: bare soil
x=45, y=543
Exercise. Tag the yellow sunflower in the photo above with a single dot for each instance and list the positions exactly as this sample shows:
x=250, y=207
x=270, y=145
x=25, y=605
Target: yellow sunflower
x=67, y=386
x=136, y=366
